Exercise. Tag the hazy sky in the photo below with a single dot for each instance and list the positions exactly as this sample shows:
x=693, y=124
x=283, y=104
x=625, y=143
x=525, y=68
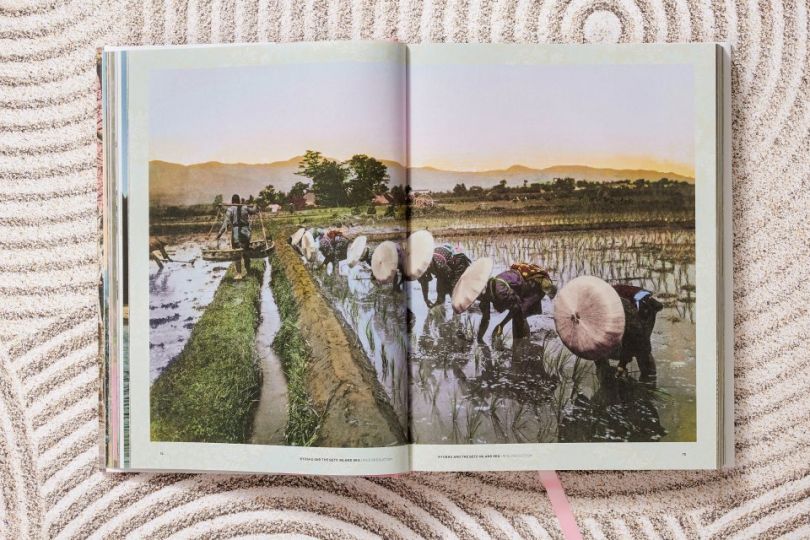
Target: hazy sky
x=275, y=112
x=463, y=116
x=479, y=117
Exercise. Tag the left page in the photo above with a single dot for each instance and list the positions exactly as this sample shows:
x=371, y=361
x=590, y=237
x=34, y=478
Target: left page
x=246, y=190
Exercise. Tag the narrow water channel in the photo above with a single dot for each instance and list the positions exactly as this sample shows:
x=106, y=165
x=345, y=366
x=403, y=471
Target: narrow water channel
x=270, y=418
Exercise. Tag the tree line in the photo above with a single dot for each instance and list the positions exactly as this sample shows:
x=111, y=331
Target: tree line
x=353, y=182
x=564, y=185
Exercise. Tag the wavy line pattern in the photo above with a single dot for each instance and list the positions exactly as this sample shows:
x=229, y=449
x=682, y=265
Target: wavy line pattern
x=51, y=486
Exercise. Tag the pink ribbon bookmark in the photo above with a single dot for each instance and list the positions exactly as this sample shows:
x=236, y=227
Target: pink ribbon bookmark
x=559, y=503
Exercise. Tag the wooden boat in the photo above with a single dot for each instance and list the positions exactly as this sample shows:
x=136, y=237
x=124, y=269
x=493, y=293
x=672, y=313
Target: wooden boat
x=258, y=250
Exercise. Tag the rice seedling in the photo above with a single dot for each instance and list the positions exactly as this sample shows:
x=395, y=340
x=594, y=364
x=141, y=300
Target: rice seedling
x=474, y=419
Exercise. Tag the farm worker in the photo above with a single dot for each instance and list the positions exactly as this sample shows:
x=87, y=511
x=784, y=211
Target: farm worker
x=388, y=264
x=333, y=246
x=158, y=245
x=447, y=266
x=640, y=311
x=519, y=291
x=238, y=217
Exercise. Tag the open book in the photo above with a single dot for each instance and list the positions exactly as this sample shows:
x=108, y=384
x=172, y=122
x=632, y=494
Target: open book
x=371, y=258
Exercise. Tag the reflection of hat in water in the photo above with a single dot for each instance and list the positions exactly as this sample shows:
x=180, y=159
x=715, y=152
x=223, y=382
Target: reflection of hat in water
x=297, y=235
x=355, y=251
x=471, y=284
x=418, y=253
x=384, y=262
x=308, y=245
x=589, y=317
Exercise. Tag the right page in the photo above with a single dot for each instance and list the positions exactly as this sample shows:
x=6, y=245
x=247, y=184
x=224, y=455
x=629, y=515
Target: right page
x=569, y=319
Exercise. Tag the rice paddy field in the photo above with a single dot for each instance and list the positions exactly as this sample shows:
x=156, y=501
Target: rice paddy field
x=377, y=314
x=444, y=386
x=533, y=390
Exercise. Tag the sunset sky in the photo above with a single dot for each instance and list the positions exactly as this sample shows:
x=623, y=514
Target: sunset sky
x=480, y=117
x=464, y=117
x=275, y=112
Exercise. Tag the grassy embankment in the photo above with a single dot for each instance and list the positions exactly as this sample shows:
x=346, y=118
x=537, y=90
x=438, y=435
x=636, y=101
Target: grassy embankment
x=207, y=393
x=303, y=420
x=334, y=385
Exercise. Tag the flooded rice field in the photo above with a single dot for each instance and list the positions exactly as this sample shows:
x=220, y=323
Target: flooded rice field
x=378, y=316
x=537, y=391
x=178, y=296
x=534, y=390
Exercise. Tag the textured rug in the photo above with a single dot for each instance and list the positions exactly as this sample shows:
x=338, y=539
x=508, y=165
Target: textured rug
x=51, y=485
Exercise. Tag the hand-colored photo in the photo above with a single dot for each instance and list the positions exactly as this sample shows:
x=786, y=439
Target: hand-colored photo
x=251, y=339
x=336, y=265
x=560, y=304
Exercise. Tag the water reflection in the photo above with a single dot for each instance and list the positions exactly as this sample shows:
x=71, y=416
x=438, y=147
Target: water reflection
x=378, y=317
x=535, y=390
x=178, y=295
x=621, y=409
x=530, y=390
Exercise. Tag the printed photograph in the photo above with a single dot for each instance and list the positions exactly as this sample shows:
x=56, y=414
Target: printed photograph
x=559, y=302
x=345, y=256
x=260, y=177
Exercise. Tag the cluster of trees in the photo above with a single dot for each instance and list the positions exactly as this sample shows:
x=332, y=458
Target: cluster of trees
x=270, y=195
x=353, y=182
x=565, y=194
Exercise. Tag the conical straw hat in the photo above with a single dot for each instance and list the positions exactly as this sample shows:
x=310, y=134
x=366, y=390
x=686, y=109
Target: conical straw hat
x=384, y=262
x=355, y=251
x=308, y=245
x=418, y=253
x=297, y=235
x=589, y=317
x=471, y=284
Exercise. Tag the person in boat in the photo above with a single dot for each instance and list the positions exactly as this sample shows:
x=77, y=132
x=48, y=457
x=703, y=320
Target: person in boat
x=333, y=245
x=237, y=217
x=640, y=312
x=446, y=266
x=519, y=291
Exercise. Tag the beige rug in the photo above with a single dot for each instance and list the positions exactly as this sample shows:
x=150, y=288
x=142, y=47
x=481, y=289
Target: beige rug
x=48, y=365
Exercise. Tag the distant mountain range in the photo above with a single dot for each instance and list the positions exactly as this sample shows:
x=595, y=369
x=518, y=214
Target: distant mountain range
x=440, y=180
x=176, y=184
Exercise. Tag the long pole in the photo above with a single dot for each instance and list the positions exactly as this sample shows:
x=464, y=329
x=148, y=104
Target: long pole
x=264, y=233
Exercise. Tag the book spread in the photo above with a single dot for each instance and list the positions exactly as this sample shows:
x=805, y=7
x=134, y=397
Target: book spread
x=372, y=258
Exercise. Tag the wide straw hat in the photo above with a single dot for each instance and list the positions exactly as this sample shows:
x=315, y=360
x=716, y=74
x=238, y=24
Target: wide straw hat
x=589, y=317
x=297, y=235
x=418, y=254
x=384, y=262
x=356, y=249
x=471, y=284
x=308, y=245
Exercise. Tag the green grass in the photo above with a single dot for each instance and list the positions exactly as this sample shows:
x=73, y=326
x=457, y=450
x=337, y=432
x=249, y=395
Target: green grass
x=303, y=420
x=207, y=393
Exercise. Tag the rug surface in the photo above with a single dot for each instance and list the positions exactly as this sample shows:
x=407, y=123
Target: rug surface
x=51, y=485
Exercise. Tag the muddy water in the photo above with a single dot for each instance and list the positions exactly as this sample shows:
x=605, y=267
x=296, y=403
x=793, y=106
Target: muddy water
x=536, y=391
x=377, y=315
x=178, y=296
x=270, y=418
